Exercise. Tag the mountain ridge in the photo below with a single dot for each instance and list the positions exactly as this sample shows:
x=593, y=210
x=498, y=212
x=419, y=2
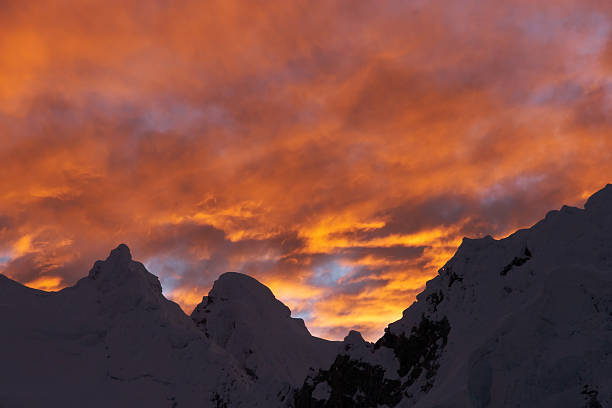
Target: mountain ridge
x=521, y=321
x=456, y=345
x=132, y=336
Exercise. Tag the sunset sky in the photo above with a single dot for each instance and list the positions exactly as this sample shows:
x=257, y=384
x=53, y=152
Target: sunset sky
x=337, y=151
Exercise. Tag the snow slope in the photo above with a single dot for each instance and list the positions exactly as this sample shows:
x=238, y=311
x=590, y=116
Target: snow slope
x=110, y=340
x=277, y=351
x=525, y=321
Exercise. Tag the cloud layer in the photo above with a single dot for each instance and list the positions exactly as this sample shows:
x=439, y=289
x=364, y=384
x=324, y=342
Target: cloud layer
x=337, y=151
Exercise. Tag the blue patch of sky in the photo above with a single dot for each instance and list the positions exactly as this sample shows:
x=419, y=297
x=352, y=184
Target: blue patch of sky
x=599, y=34
x=547, y=27
x=501, y=191
x=557, y=94
x=177, y=115
x=167, y=269
x=305, y=314
x=329, y=274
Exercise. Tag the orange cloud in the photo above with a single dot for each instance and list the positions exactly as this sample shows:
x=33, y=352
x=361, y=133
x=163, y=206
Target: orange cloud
x=48, y=283
x=336, y=151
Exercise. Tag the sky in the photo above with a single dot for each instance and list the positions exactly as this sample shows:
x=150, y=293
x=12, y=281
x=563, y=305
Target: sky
x=338, y=151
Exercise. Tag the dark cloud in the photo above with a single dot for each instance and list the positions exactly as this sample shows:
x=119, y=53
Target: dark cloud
x=393, y=253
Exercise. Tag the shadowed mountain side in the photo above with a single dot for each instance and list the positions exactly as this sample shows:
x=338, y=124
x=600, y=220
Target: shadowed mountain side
x=113, y=339
x=245, y=318
x=110, y=340
x=522, y=321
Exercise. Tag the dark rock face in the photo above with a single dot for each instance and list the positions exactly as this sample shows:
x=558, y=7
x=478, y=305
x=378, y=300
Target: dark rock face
x=351, y=384
x=452, y=276
x=419, y=352
x=590, y=396
x=517, y=261
x=434, y=299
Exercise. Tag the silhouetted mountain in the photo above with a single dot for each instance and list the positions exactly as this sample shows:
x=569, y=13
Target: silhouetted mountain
x=277, y=351
x=111, y=340
x=523, y=321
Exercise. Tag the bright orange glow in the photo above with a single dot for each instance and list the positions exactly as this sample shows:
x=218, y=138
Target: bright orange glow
x=23, y=245
x=188, y=298
x=336, y=151
x=48, y=283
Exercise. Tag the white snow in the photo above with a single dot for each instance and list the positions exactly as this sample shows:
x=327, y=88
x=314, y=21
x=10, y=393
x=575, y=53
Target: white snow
x=243, y=316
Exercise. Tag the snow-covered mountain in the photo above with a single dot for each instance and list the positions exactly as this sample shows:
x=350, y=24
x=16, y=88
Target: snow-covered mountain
x=277, y=351
x=112, y=340
x=525, y=321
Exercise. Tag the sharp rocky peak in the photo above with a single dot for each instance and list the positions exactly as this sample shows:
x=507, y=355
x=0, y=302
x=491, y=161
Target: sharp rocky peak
x=354, y=337
x=120, y=255
x=119, y=268
x=119, y=259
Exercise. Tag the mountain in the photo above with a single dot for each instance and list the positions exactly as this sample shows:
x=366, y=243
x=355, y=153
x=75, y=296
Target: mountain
x=525, y=321
x=113, y=339
x=110, y=340
x=277, y=351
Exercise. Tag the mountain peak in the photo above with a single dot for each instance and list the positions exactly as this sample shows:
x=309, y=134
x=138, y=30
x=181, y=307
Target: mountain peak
x=118, y=269
x=238, y=287
x=601, y=200
x=237, y=278
x=121, y=254
x=243, y=316
x=354, y=337
x=243, y=293
x=119, y=259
